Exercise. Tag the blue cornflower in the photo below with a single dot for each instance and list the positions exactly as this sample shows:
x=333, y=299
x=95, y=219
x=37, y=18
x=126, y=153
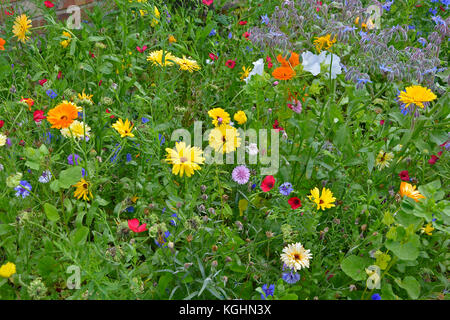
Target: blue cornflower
x=212, y=33
x=113, y=158
x=129, y=157
x=83, y=172
x=411, y=27
x=290, y=277
x=265, y=19
x=286, y=188
x=130, y=209
x=268, y=291
x=173, y=221
x=387, y=5
x=23, y=189
x=162, y=139
x=52, y=94
x=376, y=296
x=230, y=35
x=163, y=239
x=253, y=186
x=73, y=158
x=145, y=120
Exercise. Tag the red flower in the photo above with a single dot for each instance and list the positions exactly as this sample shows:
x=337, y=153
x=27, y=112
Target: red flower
x=100, y=83
x=213, y=57
x=404, y=175
x=41, y=82
x=433, y=159
x=269, y=62
x=59, y=76
x=277, y=127
x=295, y=203
x=243, y=22
x=133, y=224
x=49, y=4
x=107, y=111
x=208, y=2
x=2, y=123
x=38, y=116
x=230, y=64
x=9, y=13
x=381, y=122
x=268, y=183
x=91, y=54
x=246, y=35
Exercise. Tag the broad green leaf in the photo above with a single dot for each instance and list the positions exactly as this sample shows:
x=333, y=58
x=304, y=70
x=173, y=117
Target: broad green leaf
x=69, y=177
x=51, y=212
x=80, y=235
x=404, y=251
x=354, y=267
x=411, y=285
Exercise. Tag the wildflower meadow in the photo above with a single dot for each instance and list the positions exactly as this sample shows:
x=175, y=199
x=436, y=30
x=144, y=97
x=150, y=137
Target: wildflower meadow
x=225, y=150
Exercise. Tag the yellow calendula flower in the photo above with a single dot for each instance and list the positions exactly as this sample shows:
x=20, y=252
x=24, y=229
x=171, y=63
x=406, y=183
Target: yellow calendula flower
x=428, y=229
x=66, y=42
x=78, y=130
x=324, y=201
x=240, y=117
x=7, y=270
x=383, y=159
x=245, y=72
x=123, y=128
x=219, y=116
x=157, y=58
x=187, y=64
x=21, y=27
x=416, y=95
x=2, y=139
x=224, y=138
x=185, y=159
x=82, y=190
x=324, y=42
x=410, y=191
x=295, y=256
x=157, y=15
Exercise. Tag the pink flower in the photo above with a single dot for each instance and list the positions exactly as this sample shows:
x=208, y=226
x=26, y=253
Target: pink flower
x=381, y=122
x=49, y=4
x=404, y=175
x=243, y=22
x=141, y=49
x=41, y=82
x=208, y=2
x=241, y=174
x=268, y=183
x=213, y=57
x=59, y=76
x=433, y=159
x=133, y=224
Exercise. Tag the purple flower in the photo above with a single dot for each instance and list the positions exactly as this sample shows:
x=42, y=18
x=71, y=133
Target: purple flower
x=145, y=120
x=230, y=35
x=268, y=291
x=286, y=188
x=162, y=238
x=212, y=33
x=265, y=19
x=52, y=94
x=23, y=189
x=290, y=277
x=241, y=174
x=129, y=157
x=45, y=177
x=71, y=158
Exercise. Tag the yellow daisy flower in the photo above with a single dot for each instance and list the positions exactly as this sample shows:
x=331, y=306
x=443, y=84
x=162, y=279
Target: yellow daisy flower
x=66, y=42
x=245, y=72
x=78, y=130
x=123, y=128
x=240, y=117
x=324, y=42
x=219, y=116
x=428, y=229
x=157, y=58
x=324, y=201
x=82, y=190
x=187, y=64
x=21, y=27
x=185, y=159
x=224, y=139
x=383, y=159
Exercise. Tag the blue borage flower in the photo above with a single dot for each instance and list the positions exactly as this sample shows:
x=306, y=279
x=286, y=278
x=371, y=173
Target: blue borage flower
x=212, y=33
x=265, y=19
x=173, y=221
x=286, y=188
x=268, y=291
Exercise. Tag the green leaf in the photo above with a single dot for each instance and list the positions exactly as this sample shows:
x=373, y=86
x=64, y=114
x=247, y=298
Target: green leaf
x=411, y=285
x=404, y=251
x=51, y=212
x=354, y=267
x=69, y=177
x=80, y=235
x=54, y=186
x=290, y=296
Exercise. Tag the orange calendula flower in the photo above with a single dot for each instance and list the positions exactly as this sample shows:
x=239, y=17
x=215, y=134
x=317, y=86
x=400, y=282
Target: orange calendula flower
x=410, y=191
x=2, y=43
x=291, y=62
x=28, y=101
x=62, y=115
x=283, y=73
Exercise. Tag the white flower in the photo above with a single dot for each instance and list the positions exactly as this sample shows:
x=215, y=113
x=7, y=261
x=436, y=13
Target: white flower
x=258, y=68
x=209, y=61
x=2, y=140
x=252, y=149
x=311, y=62
x=336, y=66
